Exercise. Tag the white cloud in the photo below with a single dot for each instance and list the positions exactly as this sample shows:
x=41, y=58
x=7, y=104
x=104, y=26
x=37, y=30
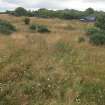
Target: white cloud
x=53, y=4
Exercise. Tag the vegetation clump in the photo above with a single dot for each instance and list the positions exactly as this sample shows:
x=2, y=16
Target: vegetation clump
x=20, y=11
x=100, y=22
x=96, y=36
x=27, y=20
x=97, y=39
x=81, y=39
x=6, y=27
x=93, y=30
x=97, y=33
x=43, y=29
x=39, y=28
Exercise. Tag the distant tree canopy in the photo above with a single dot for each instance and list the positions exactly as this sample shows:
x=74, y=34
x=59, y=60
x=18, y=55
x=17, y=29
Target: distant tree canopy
x=20, y=11
x=62, y=14
x=89, y=11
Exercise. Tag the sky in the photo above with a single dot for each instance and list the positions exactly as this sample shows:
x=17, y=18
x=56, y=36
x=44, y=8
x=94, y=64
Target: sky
x=52, y=4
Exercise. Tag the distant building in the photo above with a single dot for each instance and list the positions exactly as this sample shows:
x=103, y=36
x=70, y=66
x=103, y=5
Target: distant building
x=88, y=19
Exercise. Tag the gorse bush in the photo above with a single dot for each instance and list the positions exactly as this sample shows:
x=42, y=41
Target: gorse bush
x=97, y=33
x=100, y=22
x=93, y=30
x=81, y=39
x=96, y=36
x=39, y=28
x=34, y=27
x=6, y=27
x=27, y=21
x=97, y=39
x=43, y=29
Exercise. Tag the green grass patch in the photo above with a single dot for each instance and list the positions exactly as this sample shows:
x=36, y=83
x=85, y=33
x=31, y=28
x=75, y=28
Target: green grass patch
x=62, y=49
x=91, y=93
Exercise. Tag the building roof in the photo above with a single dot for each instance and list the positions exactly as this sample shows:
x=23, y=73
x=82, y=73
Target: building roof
x=89, y=19
x=92, y=18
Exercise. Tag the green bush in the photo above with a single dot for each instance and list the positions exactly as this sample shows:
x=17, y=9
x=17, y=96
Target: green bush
x=27, y=20
x=97, y=39
x=100, y=22
x=34, y=27
x=43, y=29
x=81, y=39
x=96, y=36
x=91, y=31
x=6, y=27
x=39, y=28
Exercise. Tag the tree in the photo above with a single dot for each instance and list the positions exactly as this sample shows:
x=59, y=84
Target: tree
x=20, y=11
x=43, y=13
x=89, y=11
x=100, y=23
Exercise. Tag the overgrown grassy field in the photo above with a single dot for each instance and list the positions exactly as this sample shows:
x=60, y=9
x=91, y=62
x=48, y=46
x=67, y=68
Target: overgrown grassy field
x=50, y=68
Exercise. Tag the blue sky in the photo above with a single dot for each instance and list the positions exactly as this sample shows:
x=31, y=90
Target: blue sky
x=52, y=4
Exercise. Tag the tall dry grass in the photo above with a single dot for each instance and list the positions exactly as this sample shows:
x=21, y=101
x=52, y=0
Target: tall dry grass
x=51, y=68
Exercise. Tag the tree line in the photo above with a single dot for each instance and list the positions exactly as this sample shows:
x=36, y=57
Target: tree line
x=63, y=14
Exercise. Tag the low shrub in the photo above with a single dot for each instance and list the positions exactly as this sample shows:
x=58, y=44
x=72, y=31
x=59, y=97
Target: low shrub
x=97, y=39
x=43, y=29
x=100, y=21
x=39, y=28
x=34, y=27
x=6, y=27
x=96, y=36
x=91, y=31
x=27, y=20
x=81, y=39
